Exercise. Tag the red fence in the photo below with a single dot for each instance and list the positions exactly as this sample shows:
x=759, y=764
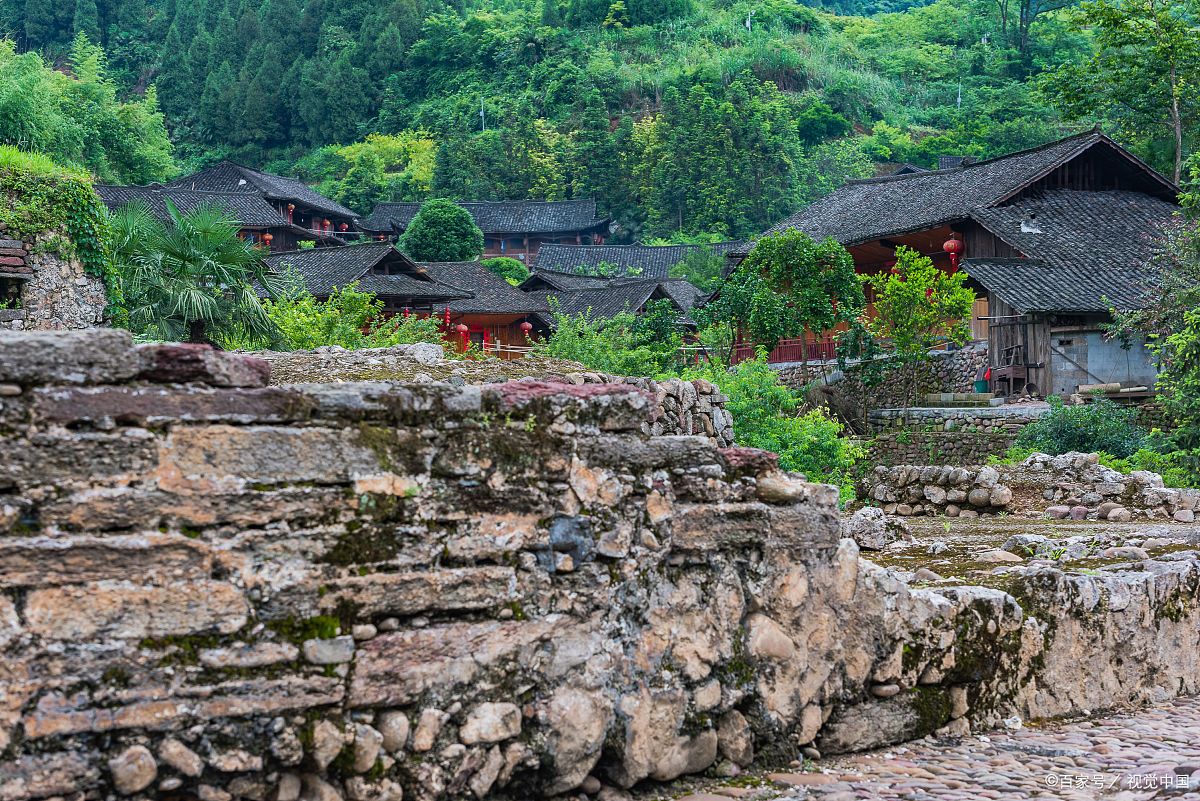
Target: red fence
x=790, y=350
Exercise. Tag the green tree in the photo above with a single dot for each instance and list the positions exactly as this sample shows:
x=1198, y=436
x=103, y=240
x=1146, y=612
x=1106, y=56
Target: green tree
x=1145, y=71
x=787, y=286
x=191, y=279
x=917, y=306
x=511, y=270
x=442, y=231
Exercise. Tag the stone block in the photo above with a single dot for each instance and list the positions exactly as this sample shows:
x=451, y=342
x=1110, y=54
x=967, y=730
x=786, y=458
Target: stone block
x=409, y=593
x=123, y=610
x=181, y=363
x=142, y=405
x=95, y=356
x=45, y=561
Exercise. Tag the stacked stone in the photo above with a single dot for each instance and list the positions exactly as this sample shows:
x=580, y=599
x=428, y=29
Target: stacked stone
x=994, y=420
x=914, y=490
x=936, y=448
x=56, y=293
x=1077, y=486
x=687, y=407
x=215, y=588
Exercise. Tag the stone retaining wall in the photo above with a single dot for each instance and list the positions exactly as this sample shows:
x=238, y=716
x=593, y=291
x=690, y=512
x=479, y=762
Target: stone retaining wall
x=213, y=588
x=1072, y=485
x=55, y=291
x=946, y=371
x=936, y=447
x=1006, y=420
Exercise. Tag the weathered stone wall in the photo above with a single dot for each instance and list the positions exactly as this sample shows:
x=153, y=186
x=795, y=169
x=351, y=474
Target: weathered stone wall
x=213, y=588
x=936, y=447
x=56, y=292
x=946, y=371
x=1072, y=485
x=685, y=407
x=1006, y=420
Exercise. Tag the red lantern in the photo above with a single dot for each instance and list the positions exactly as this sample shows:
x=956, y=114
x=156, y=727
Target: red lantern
x=462, y=333
x=268, y=238
x=955, y=248
x=526, y=327
x=447, y=317
x=343, y=227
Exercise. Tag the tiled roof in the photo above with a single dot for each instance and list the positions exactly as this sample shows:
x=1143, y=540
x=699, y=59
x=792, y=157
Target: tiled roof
x=487, y=293
x=620, y=295
x=322, y=269
x=875, y=208
x=1085, y=250
x=250, y=209
x=499, y=217
x=227, y=176
x=645, y=261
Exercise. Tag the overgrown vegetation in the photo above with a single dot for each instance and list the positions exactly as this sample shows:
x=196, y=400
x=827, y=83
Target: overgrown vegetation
x=1097, y=426
x=644, y=344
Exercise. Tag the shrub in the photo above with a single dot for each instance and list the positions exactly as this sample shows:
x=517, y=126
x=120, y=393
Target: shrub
x=347, y=318
x=1100, y=426
x=766, y=414
x=624, y=344
x=511, y=270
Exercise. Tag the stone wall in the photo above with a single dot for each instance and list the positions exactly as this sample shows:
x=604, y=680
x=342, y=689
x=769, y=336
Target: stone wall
x=1072, y=485
x=55, y=291
x=685, y=407
x=946, y=371
x=213, y=588
x=997, y=420
x=936, y=447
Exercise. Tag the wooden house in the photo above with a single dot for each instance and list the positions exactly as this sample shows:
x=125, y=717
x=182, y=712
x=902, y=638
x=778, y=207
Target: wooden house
x=604, y=297
x=513, y=228
x=489, y=310
x=1052, y=237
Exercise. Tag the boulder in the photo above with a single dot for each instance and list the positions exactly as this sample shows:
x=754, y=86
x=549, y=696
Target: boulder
x=873, y=530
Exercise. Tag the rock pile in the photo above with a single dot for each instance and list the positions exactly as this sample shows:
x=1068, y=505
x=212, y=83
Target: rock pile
x=1073, y=485
x=925, y=490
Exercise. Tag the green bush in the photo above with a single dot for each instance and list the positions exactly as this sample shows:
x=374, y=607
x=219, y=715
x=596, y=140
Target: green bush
x=766, y=414
x=1100, y=426
x=347, y=318
x=511, y=270
x=1177, y=468
x=442, y=231
x=644, y=344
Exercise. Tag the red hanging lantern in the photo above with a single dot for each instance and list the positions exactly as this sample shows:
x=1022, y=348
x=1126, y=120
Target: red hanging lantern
x=955, y=248
x=447, y=317
x=526, y=327
x=268, y=238
x=462, y=333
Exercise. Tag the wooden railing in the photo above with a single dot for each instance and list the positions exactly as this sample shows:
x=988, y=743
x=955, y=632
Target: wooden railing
x=790, y=350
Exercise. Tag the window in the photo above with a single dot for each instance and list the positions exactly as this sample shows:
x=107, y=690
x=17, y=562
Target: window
x=10, y=293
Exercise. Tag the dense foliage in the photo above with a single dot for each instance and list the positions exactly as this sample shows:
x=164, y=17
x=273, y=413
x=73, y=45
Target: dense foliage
x=512, y=270
x=442, y=231
x=625, y=344
x=77, y=118
x=1091, y=427
x=38, y=197
x=788, y=285
x=192, y=279
x=917, y=307
x=348, y=318
x=694, y=116
x=768, y=415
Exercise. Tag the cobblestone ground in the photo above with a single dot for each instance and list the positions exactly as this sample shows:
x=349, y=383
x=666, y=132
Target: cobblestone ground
x=1149, y=754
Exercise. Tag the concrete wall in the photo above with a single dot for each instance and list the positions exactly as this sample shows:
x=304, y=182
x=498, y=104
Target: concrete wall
x=1088, y=357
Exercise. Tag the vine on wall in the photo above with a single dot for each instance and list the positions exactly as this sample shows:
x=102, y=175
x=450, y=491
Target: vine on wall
x=41, y=196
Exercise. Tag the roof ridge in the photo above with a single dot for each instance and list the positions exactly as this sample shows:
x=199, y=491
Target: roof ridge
x=358, y=245
x=1093, y=132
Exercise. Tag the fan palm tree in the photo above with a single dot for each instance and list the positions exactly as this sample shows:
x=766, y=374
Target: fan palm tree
x=192, y=279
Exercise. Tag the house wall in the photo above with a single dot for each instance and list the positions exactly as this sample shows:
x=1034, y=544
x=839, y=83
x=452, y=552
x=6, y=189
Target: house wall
x=1086, y=356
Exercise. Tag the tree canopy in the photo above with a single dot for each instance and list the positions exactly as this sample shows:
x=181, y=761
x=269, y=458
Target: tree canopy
x=442, y=231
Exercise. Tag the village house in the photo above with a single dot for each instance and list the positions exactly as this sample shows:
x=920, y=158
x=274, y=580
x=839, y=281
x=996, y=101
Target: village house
x=473, y=304
x=273, y=211
x=645, y=261
x=514, y=228
x=604, y=297
x=1052, y=237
